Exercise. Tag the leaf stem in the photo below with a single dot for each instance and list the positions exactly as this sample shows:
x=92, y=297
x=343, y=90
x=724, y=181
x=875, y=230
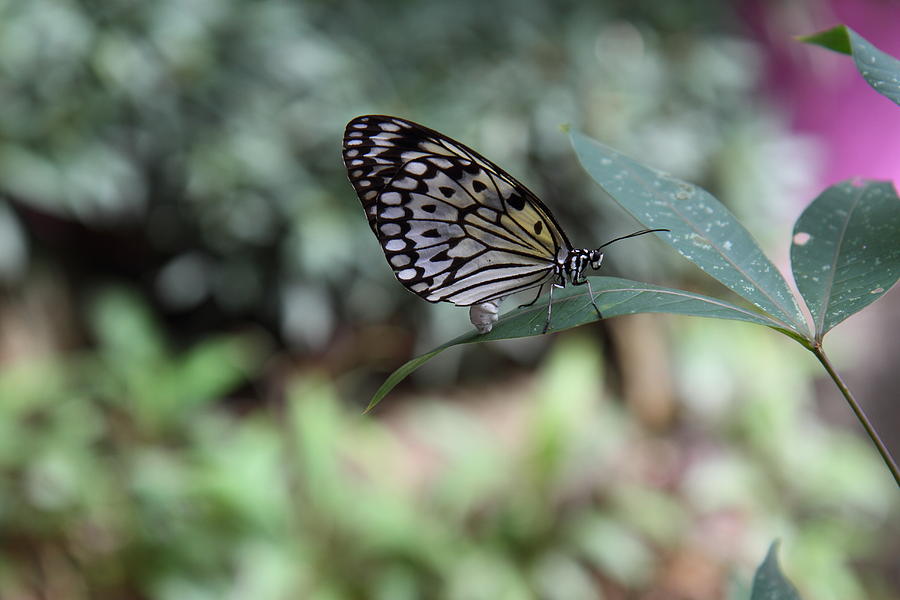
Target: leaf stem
x=858, y=411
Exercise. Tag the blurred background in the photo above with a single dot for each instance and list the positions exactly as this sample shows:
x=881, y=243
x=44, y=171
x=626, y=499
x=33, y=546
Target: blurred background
x=193, y=311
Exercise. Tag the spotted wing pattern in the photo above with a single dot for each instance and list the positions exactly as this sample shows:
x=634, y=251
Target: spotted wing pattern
x=454, y=226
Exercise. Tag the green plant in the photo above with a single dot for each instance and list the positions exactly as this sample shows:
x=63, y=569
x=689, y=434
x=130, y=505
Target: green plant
x=845, y=255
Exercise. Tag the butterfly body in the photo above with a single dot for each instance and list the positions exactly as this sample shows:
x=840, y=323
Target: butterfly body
x=454, y=226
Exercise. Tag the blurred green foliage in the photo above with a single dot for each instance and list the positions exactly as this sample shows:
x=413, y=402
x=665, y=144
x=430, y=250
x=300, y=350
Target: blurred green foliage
x=108, y=490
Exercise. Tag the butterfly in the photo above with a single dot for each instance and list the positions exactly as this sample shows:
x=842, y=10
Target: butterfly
x=454, y=226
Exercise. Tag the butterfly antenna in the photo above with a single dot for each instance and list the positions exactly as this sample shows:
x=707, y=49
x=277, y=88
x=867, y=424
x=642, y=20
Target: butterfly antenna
x=631, y=235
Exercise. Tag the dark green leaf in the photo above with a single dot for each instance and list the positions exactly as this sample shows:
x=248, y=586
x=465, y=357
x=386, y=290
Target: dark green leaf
x=846, y=250
x=881, y=70
x=702, y=229
x=769, y=583
x=572, y=307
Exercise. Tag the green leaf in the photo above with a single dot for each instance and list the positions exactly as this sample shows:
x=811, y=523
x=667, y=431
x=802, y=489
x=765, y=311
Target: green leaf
x=836, y=38
x=702, y=229
x=769, y=583
x=881, y=70
x=572, y=307
x=846, y=250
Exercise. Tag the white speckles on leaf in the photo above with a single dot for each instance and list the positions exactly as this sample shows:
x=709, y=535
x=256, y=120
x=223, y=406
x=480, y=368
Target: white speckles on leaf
x=685, y=192
x=801, y=238
x=700, y=242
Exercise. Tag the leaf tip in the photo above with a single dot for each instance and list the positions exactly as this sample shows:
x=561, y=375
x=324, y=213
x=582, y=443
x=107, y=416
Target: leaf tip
x=769, y=582
x=836, y=39
x=379, y=396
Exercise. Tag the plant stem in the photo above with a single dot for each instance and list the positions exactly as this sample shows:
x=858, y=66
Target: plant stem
x=858, y=411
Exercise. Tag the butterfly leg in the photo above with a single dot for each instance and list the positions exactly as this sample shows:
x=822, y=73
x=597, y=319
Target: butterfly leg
x=540, y=289
x=587, y=282
x=550, y=305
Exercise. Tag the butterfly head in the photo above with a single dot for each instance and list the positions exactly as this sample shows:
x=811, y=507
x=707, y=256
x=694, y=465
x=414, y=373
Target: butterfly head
x=577, y=262
x=580, y=259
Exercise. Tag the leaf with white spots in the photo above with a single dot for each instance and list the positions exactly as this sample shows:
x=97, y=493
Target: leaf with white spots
x=701, y=228
x=846, y=250
x=879, y=69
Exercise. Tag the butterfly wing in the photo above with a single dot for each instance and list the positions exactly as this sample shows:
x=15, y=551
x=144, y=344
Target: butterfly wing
x=453, y=225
